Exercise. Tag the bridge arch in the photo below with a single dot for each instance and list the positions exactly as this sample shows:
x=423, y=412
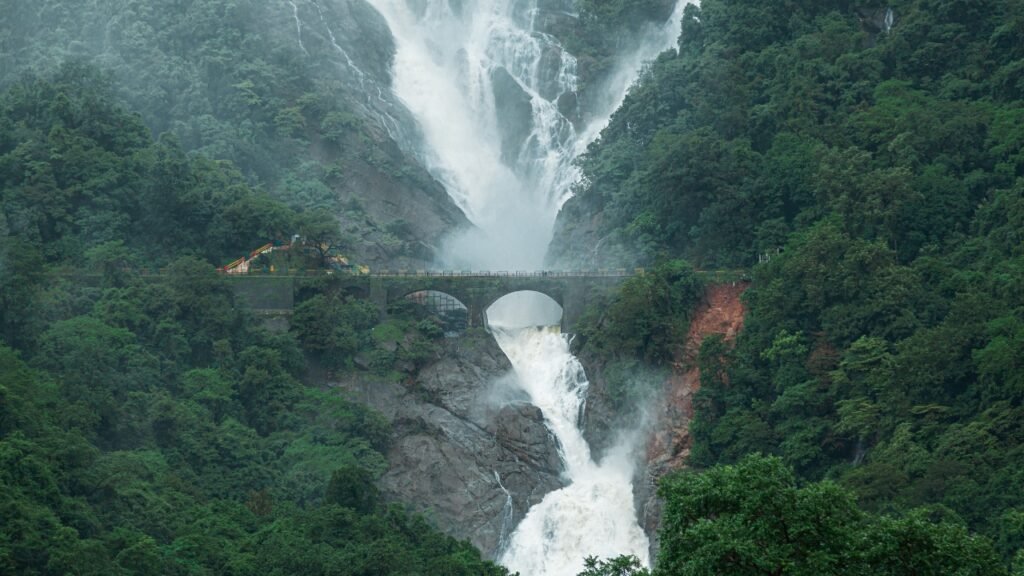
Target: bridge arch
x=479, y=291
x=448, y=309
x=522, y=308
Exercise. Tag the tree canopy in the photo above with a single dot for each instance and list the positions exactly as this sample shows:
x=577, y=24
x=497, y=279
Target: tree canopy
x=874, y=152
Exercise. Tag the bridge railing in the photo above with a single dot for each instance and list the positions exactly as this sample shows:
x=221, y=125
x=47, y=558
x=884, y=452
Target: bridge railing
x=712, y=276
x=616, y=273
x=606, y=273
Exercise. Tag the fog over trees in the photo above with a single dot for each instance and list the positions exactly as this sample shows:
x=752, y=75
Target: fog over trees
x=860, y=163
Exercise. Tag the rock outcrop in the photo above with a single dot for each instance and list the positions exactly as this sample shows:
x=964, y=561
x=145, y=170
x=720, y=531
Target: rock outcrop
x=668, y=448
x=467, y=450
x=669, y=410
x=395, y=210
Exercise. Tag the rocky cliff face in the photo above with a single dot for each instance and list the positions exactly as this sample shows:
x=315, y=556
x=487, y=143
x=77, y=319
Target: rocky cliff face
x=671, y=408
x=396, y=212
x=296, y=93
x=669, y=443
x=466, y=450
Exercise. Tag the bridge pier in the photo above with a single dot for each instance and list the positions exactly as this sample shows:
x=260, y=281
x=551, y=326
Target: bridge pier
x=477, y=315
x=574, y=304
x=379, y=296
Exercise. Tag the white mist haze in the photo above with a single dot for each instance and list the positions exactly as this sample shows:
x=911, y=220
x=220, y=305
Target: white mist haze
x=448, y=54
x=524, y=310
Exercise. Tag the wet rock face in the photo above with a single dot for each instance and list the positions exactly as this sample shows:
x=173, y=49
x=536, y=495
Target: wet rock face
x=669, y=443
x=467, y=450
x=555, y=17
x=515, y=114
x=400, y=221
x=672, y=411
x=396, y=213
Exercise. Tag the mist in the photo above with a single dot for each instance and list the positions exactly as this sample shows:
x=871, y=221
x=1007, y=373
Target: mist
x=484, y=91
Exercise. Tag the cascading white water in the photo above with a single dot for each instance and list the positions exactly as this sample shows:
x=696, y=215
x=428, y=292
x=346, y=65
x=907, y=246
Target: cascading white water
x=450, y=58
x=593, y=515
x=457, y=64
x=298, y=27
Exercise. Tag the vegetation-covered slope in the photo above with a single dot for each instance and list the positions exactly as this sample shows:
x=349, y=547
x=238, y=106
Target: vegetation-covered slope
x=239, y=81
x=148, y=425
x=884, y=345
x=755, y=519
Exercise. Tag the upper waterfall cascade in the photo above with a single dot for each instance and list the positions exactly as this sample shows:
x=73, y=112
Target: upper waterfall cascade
x=484, y=84
x=487, y=86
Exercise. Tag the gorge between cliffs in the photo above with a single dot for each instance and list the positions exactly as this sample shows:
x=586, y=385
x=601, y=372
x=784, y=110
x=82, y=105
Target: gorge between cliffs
x=490, y=441
x=496, y=287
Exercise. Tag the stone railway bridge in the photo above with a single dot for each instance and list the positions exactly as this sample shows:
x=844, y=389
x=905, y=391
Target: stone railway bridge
x=477, y=291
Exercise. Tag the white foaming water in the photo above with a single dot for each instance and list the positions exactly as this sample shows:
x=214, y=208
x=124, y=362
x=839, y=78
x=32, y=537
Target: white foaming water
x=450, y=56
x=298, y=26
x=594, y=514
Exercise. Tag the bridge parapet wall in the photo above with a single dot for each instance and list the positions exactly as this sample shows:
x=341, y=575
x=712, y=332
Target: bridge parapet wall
x=477, y=291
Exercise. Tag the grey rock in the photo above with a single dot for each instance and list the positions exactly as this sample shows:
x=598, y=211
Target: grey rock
x=515, y=114
x=569, y=106
x=523, y=431
x=582, y=241
x=555, y=17
x=396, y=213
x=466, y=450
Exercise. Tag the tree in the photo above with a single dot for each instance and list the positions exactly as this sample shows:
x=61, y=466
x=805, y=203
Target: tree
x=321, y=233
x=753, y=519
x=620, y=566
x=334, y=329
x=352, y=487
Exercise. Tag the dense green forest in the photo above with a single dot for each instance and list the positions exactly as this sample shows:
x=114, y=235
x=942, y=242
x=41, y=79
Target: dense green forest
x=229, y=80
x=148, y=424
x=883, y=170
x=755, y=519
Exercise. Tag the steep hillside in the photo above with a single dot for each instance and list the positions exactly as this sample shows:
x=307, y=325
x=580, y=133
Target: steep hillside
x=273, y=87
x=875, y=152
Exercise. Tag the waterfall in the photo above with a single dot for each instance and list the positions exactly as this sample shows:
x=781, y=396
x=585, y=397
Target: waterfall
x=594, y=514
x=507, y=514
x=298, y=26
x=484, y=84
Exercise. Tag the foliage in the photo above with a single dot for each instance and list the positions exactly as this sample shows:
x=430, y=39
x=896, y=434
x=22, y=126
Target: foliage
x=604, y=29
x=79, y=174
x=226, y=79
x=881, y=169
x=621, y=566
x=647, y=318
x=333, y=328
x=344, y=333
x=752, y=518
x=148, y=424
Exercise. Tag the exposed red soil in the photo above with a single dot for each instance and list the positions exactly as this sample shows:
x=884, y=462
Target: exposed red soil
x=722, y=312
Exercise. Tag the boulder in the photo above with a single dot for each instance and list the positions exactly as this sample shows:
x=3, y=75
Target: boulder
x=467, y=450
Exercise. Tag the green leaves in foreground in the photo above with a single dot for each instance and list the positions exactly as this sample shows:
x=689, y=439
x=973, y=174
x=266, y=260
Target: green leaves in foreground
x=621, y=566
x=753, y=519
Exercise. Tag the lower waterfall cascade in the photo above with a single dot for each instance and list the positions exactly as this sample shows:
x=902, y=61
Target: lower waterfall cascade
x=594, y=514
